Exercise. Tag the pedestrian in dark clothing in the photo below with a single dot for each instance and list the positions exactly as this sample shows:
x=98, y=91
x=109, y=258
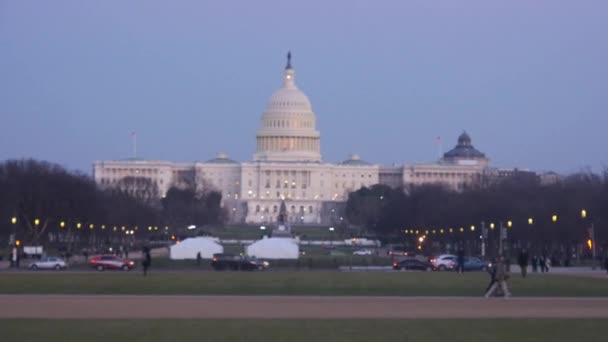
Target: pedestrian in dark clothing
x=522, y=260
x=535, y=263
x=147, y=262
x=542, y=261
x=198, y=259
x=492, y=273
x=460, y=260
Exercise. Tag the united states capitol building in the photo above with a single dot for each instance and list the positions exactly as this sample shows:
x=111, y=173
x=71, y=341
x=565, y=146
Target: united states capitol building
x=287, y=166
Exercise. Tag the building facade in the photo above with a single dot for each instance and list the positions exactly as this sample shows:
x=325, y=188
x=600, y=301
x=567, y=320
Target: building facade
x=287, y=166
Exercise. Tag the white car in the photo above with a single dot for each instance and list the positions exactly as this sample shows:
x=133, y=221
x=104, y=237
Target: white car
x=444, y=262
x=363, y=252
x=49, y=263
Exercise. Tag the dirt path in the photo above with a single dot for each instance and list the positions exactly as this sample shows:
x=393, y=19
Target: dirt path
x=272, y=307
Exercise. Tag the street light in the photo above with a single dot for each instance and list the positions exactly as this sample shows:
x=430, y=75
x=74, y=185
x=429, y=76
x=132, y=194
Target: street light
x=509, y=224
x=472, y=228
x=530, y=221
x=14, y=220
x=492, y=226
x=36, y=222
x=331, y=229
x=62, y=224
x=583, y=213
x=554, y=218
x=78, y=225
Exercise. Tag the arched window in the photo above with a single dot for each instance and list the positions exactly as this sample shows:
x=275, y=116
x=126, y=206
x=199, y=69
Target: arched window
x=257, y=208
x=310, y=208
x=274, y=209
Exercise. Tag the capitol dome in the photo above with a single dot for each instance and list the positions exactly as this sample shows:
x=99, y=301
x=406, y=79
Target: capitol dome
x=287, y=131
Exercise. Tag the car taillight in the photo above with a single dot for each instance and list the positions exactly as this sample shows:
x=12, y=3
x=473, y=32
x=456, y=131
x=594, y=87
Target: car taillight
x=214, y=259
x=394, y=264
x=93, y=261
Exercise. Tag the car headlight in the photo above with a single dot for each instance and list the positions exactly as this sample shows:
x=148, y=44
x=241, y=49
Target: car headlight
x=265, y=263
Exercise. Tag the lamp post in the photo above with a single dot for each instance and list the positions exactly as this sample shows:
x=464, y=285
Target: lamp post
x=15, y=244
x=591, y=232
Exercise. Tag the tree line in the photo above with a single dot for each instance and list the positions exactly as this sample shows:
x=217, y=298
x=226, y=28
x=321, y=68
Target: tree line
x=541, y=217
x=42, y=202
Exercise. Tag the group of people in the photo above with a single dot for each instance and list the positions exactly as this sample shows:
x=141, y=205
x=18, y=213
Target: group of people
x=541, y=262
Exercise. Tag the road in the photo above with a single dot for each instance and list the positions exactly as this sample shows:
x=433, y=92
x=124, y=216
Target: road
x=294, y=307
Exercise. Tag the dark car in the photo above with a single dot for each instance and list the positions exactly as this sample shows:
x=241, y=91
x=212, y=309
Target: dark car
x=412, y=264
x=475, y=264
x=221, y=262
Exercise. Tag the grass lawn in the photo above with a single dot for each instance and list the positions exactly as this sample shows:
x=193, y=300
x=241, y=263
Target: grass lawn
x=304, y=330
x=293, y=283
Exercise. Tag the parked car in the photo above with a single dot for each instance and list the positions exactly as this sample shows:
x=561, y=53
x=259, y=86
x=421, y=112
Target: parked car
x=412, y=264
x=443, y=262
x=476, y=264
x=49, y=263
x=110, y=262
x=223, y=261
x=398, y=251
x=363, y=252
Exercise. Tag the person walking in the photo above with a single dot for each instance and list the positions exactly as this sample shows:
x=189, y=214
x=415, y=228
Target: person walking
x=198, y=259
x=460, y=260
x=147, y=262
x=535, y=263
x=522, y=260
x=501, y=279
x=542, y=261
x=492, y=273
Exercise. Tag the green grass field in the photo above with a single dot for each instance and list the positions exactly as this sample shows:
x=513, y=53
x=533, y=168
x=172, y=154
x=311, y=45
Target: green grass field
x=294, y=283
x=304, y=330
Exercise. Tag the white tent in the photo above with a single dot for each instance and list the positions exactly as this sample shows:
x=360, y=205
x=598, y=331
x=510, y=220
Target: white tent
x=188, y=248
x=274, y=248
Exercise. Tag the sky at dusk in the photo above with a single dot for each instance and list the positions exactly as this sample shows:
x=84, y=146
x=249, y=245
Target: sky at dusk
x=526, y=79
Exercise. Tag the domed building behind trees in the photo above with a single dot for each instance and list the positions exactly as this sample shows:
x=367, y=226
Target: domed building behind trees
x=287, y=166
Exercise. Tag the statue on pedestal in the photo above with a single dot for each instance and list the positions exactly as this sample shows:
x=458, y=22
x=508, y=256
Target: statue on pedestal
x=283, y=229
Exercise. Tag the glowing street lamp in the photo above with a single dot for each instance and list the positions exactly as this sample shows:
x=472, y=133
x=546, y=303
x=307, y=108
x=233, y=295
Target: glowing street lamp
x=13, y=220
x=530, y=221
x=583, y=213
x=472, y=228
x=62, y=224
x=554, y=218
x=509, y=224
x=492, y=226
x=37, y=222
x=79, y=225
